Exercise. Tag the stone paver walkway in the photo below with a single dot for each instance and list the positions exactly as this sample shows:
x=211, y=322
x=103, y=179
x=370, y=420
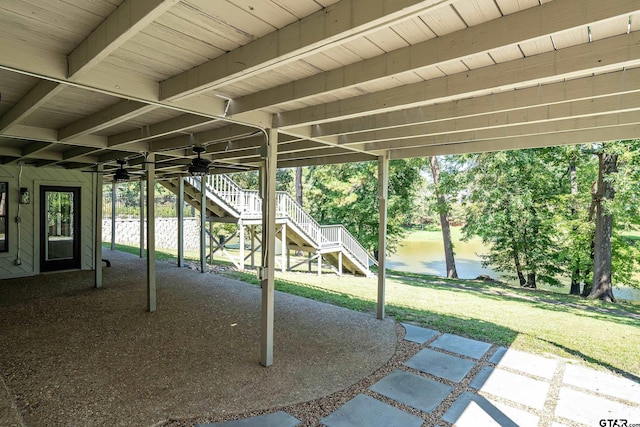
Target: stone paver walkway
x=469, y=383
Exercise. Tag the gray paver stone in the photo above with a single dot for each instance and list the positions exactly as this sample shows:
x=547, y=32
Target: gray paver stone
x=524, y=362
x=602, y=382
x=441, y=365
x=366, y=411
x=277, y=419
x=418, y=334
x=589, y=409
x=412, y=390
x=471, y=410
x=514, y=387
x=460, y=345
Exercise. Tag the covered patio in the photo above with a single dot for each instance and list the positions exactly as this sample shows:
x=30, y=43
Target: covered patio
x=72, y=355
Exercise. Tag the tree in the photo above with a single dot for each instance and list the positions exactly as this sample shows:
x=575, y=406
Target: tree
x=606, y=212
x=511, y=207
x=443, y=211
x=347, y=194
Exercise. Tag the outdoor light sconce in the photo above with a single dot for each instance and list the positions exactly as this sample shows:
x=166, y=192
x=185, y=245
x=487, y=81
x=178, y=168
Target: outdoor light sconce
x=25, y=196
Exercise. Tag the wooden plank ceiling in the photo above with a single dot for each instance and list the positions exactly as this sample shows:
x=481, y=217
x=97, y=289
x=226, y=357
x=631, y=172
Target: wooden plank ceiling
x=86, y=82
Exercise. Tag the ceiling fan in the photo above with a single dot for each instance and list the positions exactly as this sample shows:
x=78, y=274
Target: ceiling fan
x=199, y=166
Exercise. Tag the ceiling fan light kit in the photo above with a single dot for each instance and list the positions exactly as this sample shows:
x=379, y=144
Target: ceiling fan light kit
x=199, y=166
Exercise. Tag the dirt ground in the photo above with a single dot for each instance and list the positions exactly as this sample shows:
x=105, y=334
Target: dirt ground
x=74, y=355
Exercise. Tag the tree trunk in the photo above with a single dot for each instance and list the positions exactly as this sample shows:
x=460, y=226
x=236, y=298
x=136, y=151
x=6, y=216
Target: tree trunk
x=575, y=273
x=531, y=281
x=299, y=185
x=444, y=222
x=516, y=261
x=602, y=284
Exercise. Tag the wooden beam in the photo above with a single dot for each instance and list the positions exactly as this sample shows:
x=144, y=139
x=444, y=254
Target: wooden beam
x=340, y=22
x=97, y=215
x=383, y=195
x=610, y=54
x=36, y=97
x=587, y=89
x=131, y=17
x=151, y=234
x=549, y=127
x=616, y=104
x=177, y=124
x=112, y=115
x=509, y=30
x=267, y=277
x=581, y=136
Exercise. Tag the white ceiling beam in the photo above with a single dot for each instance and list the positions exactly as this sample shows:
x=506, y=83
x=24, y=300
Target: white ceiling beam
x=567, y=125
x=36, y=97
x=25, y=58
x=110, y=116
x=586, y=88
x=340, y=22
x=126, y=21
x=327, y=160
x=581, y=136
x=538, y=114
x=601, y=56
x=156, y=130
x=52, y=156
x=208, y=137
x=516, y=28
x=33, y=133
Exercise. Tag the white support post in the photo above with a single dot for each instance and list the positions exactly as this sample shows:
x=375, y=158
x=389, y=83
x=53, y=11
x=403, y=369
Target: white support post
x=319, y=264
x=142, y=227
x=98, y=228
x=283, y=250
x=113, y=212
x=151, y=233
x=211, y=242
x=253, y=246
x=383, y=192
x=288, y=258
x=340, y=263
x=203, y=227
x=242, y=242
x=180, y=209
x=268, y=187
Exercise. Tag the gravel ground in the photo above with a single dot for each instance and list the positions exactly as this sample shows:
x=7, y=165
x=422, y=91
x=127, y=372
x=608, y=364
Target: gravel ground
x=74, y=355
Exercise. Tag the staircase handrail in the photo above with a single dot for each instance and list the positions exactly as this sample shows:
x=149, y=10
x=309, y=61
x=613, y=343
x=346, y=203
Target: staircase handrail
x=249, y=203
x=338, y=234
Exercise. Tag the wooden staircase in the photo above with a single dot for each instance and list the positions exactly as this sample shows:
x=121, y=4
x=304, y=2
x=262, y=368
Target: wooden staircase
x=227, y=202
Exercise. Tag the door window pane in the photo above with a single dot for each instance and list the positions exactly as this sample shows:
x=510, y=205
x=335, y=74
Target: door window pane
x=59, y=225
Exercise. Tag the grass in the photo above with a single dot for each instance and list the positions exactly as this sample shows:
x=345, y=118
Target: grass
x=600, y=334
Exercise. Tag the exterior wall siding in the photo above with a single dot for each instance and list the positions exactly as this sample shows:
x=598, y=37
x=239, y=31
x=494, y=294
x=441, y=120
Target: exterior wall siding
x=33, y=178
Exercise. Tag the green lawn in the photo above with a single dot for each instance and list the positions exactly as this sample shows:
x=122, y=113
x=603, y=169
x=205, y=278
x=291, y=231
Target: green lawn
x=600, y=334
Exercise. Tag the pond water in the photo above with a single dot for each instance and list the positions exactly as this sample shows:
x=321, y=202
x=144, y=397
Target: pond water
x=427, y=257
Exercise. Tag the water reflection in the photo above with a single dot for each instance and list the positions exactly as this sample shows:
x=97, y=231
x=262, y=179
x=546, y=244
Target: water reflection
x=427, y=257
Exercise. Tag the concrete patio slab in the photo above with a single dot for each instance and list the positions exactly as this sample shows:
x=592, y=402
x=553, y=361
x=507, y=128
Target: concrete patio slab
x=441, y=365
x=471, y=410
x=418, y=334
x=460, y=345
x=514, y=387
x=412, y=390
x=366, y=411
x=590, y=409
x=277, y=419
x=524, y=362
x=602, y=382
